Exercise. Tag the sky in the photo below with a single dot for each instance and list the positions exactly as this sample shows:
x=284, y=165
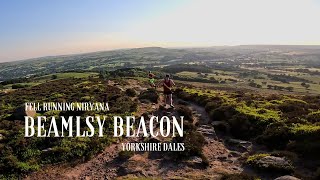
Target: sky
x=36, y=28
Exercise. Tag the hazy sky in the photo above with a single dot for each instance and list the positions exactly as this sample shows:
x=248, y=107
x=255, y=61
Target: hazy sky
x=36, y=28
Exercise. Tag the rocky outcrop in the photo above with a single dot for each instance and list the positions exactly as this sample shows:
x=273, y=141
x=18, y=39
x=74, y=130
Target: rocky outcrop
x=272, y=163
x=238, y=144
x=207, y=130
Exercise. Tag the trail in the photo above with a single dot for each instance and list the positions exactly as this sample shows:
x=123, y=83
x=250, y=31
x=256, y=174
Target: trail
x=106, y=165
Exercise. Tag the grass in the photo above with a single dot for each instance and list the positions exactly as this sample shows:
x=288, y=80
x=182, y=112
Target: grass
x=42, y=79
x=221, y=76
x=67, y=75
x=305, y=129
x=255, y=157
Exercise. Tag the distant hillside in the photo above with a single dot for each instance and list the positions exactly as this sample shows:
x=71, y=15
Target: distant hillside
x=150, y=57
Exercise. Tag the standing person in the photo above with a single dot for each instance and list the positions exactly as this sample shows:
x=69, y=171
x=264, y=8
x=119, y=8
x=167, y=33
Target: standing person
x=151, y=79
x=167, y=84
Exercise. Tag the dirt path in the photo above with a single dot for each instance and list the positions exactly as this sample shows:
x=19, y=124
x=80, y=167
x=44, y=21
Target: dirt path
x=106, y=165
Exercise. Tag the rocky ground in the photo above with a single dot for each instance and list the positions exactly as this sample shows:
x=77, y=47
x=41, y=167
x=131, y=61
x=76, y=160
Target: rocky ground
x=224, y=154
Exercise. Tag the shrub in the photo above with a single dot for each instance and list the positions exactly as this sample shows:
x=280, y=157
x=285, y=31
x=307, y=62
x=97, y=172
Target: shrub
x=124, y=155
x=131, y=92
x=188, y=126
x=149, y=95
x=201, y=100
x=186, y=112
x=305, y=148
x=193, y=142
x=241, y=126
x=276, y=136
x=213, y=104
x=314, y=116
x=18, y=86
x=222, y=113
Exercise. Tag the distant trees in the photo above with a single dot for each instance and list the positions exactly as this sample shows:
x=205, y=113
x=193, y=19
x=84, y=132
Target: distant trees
x=13, y=81
x=289, y=88
x=286, y=78
x=280, y=88
x=253, y=84
x=305, y=85
x=187, y=67
x=18, y=86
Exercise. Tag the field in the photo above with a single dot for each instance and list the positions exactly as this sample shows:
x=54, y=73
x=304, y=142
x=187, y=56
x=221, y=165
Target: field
x=273, y=68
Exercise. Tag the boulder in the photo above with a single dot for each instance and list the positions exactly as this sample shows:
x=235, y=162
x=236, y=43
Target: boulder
x=207, y=130
x=287, y=177
x=272, y=163
x=239, y=144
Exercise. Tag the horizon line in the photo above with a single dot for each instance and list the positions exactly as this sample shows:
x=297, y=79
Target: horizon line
x=130, y=48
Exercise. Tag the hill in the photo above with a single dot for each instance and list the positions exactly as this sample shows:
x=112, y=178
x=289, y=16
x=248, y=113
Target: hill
x=229, y=133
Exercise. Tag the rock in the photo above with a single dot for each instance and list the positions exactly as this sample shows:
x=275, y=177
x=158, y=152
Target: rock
x=221, y=126
x=207, y=130
x=236, y=168
x=234, y=154
x=119, y=86
x=21, y=112
x=206, y=127
x=222, y=157
x=195, y=159
x=240, y=144
x=47, y=150
x=287, y=177
x=135, y=165
x=238, y=141
x=273, y=163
